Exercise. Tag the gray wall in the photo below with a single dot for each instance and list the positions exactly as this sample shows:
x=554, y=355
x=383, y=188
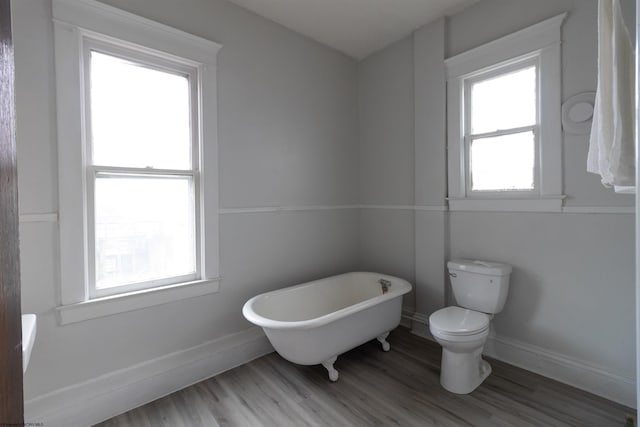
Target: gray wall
x=385, y=101
x=572, y=289
x=572, y=285
x=431, y=221
x=300, y=124
x=287, y=136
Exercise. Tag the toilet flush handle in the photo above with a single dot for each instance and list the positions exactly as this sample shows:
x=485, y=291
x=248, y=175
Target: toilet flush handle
x=482, y=263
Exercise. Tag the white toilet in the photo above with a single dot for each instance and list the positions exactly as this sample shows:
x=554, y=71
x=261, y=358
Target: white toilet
x=480, y=288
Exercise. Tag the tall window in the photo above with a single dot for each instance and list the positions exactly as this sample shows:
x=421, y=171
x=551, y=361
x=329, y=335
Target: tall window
x=137, y=150
x=143, y=171
x=504, y=124
x=501, y=129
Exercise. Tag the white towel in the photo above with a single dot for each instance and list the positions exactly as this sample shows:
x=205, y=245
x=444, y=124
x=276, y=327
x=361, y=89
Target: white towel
x=612, y=142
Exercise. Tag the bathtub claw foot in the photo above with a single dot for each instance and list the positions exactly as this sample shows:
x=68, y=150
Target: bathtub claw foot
x=328, y=364
x=383, y=340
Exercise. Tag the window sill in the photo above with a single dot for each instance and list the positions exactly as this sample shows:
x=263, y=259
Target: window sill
x=504, y=204
x=107, y=306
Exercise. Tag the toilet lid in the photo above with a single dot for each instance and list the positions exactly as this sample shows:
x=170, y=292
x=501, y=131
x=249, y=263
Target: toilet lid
x=459, y=321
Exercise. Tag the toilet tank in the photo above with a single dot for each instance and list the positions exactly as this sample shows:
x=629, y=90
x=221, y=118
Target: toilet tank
x=479, y=285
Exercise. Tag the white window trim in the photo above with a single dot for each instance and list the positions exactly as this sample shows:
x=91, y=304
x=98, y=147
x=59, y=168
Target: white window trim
x=469, y=137
x=73, y=21
x=93, y=170
x=541, y=40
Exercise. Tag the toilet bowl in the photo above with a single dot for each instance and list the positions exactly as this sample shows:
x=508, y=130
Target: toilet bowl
x=480, y=289
x=463, y=369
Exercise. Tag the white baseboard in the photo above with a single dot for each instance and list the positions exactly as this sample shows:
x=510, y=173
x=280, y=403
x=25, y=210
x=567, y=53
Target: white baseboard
x=422, y=330
x=565, y=369
x=407, y=317
x=101, y=398
x=420, y=325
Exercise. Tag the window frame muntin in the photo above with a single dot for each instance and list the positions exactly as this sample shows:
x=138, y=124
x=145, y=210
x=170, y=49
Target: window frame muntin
x=493, y=71
x=148, y=58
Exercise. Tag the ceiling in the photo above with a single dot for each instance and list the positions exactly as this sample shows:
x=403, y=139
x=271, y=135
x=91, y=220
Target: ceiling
x=355, y=27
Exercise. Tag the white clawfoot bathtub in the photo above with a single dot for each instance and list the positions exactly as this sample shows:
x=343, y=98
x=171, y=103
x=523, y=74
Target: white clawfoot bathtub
x=313, y=323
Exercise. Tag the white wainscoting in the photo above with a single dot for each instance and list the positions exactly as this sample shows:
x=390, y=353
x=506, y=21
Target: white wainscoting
x=574, y=372
x=108, y=395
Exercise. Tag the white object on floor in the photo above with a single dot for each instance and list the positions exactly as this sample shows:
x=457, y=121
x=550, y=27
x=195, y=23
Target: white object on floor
x=28, y=338
x=612, y=141
x=313, y=323
x=481, y=290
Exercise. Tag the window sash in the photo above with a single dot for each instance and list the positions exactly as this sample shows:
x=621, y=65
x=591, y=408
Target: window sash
x=503, y=132
x=468, y=137
x=468, y=141
x=93, y=171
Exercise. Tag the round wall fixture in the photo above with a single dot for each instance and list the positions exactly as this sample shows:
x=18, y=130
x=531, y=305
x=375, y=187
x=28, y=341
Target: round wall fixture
x=577, y=113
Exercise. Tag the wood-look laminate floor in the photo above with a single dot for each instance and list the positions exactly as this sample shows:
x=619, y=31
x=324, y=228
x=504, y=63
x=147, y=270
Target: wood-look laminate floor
x=397, y=388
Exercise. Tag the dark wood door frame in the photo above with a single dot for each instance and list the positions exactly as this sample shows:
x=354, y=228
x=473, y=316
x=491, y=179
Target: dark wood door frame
x=11, y=398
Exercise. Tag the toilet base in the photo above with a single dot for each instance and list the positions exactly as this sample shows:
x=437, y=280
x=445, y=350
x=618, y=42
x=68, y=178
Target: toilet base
x=461, y=373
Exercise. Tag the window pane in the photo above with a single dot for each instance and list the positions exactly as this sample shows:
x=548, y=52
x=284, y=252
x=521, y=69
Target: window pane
x=503, y=162
x=139, y=116
x=144, y=229
x=504, y=102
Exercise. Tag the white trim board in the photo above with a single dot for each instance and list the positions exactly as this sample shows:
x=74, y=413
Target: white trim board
x=575, y=372
x=613, y=210
x=272, y=209
x=511, y=204
x=39, y=217
x=415, y=316
x=442, y=208
x=114, y=304
x=637, y=201
x=304, y=208
x=104, y=19
x=406, y=318
x=617, y=210
x=559, y=367
x=106, y=396
x=420, y=325
x=528, y=39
